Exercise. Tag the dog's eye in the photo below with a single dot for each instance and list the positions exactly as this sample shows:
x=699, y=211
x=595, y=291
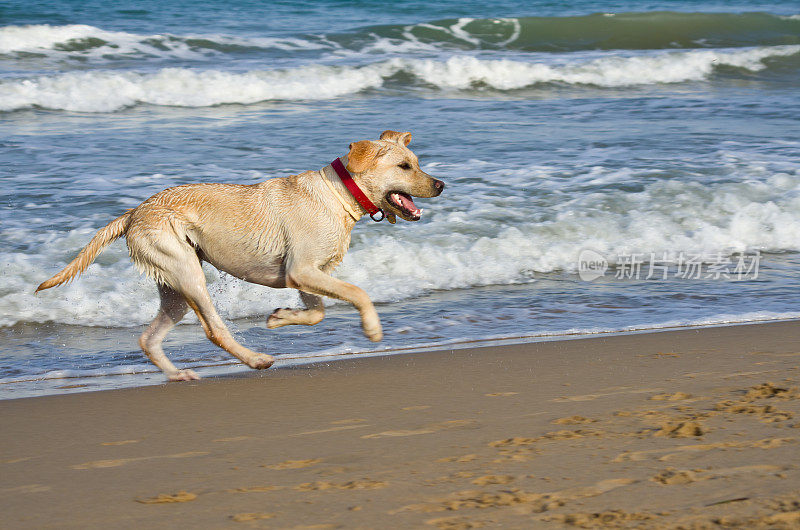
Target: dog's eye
x=404, y=165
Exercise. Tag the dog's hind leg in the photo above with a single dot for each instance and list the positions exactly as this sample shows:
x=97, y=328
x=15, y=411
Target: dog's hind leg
x=313, y=314
x=192, y=285
x=160, y=246
x=173, y=308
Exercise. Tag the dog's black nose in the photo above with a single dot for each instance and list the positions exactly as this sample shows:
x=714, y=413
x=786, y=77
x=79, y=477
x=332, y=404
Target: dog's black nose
x=439, y=185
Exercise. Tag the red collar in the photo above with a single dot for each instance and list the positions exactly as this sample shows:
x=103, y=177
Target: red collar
x=355, y=191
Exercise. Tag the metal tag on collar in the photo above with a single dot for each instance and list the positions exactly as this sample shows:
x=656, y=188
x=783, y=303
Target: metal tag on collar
x=383, y=216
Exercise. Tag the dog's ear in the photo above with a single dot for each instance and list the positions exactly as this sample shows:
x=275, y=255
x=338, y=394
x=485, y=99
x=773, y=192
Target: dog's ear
x=361, y=155
x=401, y=138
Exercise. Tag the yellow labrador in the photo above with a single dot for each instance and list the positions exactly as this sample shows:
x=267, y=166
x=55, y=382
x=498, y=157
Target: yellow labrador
x=284, y=232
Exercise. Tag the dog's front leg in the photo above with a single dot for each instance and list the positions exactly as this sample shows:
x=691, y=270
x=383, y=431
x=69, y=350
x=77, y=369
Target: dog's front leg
x=314, y=281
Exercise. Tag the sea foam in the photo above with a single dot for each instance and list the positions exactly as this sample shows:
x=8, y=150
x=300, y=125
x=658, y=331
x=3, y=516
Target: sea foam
x=108, y=91
x=609, y=31
x=753, y=206
x=81, y=40
x=182, y=87
x=41, y=37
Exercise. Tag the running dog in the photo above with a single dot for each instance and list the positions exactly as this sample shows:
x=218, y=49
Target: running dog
x=288, y=232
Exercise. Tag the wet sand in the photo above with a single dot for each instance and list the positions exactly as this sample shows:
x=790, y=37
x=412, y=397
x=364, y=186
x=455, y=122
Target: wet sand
x=694, y=428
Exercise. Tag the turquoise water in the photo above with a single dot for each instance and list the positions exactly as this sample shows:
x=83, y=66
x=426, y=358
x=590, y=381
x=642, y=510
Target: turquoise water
x=649, y=128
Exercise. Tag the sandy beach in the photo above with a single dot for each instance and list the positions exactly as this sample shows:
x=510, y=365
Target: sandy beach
x=694, y=428
x=594, y=325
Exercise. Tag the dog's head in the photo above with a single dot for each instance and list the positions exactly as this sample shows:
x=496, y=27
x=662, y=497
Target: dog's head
x=389, y=174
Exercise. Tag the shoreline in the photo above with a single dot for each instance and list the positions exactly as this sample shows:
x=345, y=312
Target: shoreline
x=233, y=368
x=493, y=436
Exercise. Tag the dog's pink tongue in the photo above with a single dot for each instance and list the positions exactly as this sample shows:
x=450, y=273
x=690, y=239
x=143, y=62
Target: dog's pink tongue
x=407, y=203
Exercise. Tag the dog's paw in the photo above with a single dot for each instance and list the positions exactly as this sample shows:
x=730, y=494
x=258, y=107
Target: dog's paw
x=280, y=317
x=285, y=317
x=183, y=375
x=260, y=361
x=374, y=333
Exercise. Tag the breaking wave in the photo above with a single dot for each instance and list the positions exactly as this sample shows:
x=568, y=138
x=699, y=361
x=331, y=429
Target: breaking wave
x=752, y=205
x=108, y=91
x=600, y=31
x=82, y=40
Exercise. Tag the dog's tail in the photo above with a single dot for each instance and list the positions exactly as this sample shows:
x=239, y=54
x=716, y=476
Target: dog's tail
x=101, y=239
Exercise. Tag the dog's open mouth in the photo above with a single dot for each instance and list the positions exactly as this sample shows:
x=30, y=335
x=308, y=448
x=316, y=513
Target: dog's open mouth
x=404, y=204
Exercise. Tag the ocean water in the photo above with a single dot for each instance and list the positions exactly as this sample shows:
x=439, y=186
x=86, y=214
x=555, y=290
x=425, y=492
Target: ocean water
x=648, y=131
